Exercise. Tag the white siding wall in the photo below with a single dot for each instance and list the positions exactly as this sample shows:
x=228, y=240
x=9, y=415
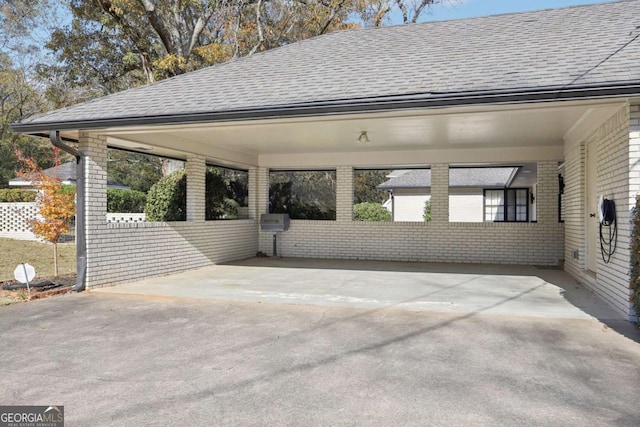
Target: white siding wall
x=618, y=178
x=124, y=252
x=466, y=205
x=439, y=240
x=409, y=207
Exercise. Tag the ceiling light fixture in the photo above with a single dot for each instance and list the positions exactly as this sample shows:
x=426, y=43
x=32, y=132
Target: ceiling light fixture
x=363, y=138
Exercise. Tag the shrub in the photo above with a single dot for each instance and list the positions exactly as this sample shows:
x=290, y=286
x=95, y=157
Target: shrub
x=427, y=211
x=125, y=201
x=11, y=195
x=167, y=198
x=370, y=212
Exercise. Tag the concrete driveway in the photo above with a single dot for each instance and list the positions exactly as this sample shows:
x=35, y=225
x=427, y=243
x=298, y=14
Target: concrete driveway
x=135, y=360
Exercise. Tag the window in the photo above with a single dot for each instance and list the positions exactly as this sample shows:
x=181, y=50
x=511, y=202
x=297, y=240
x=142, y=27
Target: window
x=506, y=205
x=303, y=194
x=226, y=193
x=493, y=192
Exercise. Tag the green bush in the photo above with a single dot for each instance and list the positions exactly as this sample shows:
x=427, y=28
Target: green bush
x=12, y=195
x=427, y=211
x=167, y=198
x=370, y=212
x=125, y=201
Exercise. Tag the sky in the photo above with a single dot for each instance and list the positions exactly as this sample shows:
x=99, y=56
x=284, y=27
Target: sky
x=472, y=8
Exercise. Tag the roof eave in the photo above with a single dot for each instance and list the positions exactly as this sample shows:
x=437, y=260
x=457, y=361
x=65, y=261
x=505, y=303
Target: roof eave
x=350, y=106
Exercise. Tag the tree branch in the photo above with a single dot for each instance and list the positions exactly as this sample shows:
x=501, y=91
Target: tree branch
x=199, y=26
x=260, y=30
x=334, y=12
x=419, y=10
x=403, y=9
x=134, y=35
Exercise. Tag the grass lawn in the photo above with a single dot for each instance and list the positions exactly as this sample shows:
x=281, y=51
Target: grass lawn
x=40, y=255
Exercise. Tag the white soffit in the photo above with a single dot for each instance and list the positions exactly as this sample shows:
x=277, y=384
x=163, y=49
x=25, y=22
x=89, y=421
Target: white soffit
x=542, y=125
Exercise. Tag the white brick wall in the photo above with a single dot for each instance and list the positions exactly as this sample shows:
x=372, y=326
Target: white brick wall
x=439, y=240
x=618, y=178
x=196, y=187
x=574, y=210
x=124, y=252
x=344, y=198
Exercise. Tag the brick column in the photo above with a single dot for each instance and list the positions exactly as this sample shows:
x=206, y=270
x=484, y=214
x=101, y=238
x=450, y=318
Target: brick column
x=344, y=194
x=440, y=193
x=94, y=147
x=196, y=171
x=547, y=192
x=263, y=191
x=253, y=193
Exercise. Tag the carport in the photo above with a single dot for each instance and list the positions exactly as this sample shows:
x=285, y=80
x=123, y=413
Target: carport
x=561, y=97
x=430, y=287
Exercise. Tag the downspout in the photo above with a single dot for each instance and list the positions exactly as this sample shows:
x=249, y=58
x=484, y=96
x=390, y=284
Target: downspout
x=81, y=245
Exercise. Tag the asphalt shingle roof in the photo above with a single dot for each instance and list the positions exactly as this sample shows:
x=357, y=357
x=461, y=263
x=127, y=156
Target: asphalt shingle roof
x=574, y=46
x=458, y=177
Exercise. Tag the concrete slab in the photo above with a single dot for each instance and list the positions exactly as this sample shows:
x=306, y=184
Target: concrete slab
x=449, y=288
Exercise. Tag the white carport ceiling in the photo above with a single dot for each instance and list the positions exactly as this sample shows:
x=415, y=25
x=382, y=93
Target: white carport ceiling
x=541, y=125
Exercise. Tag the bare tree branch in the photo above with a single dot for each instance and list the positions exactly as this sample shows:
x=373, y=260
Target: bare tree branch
x=260, y=29
x=403, y=9
x=419, y=10
x=199, y=26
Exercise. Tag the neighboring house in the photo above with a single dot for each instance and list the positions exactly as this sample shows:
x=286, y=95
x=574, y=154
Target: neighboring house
x=66, y=172
x=479, y=194
x=545, y=87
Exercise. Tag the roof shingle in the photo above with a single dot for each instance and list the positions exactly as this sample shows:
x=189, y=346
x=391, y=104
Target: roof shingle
x=573, y=46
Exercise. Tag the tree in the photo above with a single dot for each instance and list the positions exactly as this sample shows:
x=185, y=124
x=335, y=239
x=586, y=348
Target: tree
x=303, y=194
x=111, y=45
x=18, y=99
x=135, y=170
x=365, y=183
x=56, y=205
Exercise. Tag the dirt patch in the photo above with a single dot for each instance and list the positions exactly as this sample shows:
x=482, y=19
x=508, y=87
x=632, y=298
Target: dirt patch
x=58, y=286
